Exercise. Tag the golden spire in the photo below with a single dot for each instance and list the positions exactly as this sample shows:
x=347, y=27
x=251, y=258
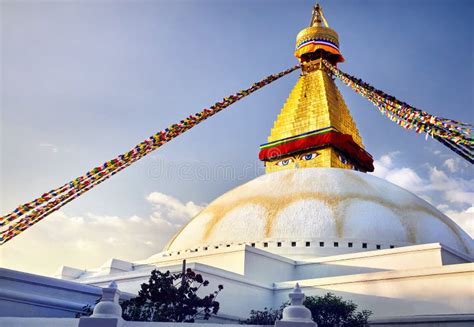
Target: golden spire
x=318, y=36
x=315, y=127
x=317, y=17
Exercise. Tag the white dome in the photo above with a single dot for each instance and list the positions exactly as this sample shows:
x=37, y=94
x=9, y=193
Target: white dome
x=319, y=211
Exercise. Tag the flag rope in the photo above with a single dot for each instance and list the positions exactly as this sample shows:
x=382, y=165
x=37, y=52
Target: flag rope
x=455, y=135
x=28, y=214
x=452, y=134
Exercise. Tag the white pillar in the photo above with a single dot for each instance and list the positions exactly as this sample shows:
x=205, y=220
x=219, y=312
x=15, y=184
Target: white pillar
x=296, y=314
x=108, y=312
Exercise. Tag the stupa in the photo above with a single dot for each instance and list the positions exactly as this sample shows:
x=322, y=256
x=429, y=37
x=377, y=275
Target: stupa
x=316, y=217
x=315, y=116
x=316, y=198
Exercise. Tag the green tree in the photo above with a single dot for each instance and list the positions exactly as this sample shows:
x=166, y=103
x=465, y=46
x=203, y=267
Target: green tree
x=327, y=311
x=172, y=297
x=264, y=317
x=331, y=310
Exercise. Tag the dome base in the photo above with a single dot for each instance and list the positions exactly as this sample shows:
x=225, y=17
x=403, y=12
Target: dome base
x=316, y=205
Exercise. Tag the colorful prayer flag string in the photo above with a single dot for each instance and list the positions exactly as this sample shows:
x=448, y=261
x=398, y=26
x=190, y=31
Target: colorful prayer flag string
x=453, y=134
x=28, y=214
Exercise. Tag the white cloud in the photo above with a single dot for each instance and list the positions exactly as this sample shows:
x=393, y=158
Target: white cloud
x=437, y=188
x=464, y=218
x=403, y=177
x=451, y=188
x=451, y=164
x=382, y=166
x=171, y=210
x=90, y=240
x=406, y=178
x=454, y=190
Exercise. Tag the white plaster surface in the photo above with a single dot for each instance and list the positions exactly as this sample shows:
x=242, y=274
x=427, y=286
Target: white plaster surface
x=415, y=321
x=23, y=294
x=332, y=230
x=421, y=279
x=251, y=279
x=427, y=291
x=323, y=204
x=68, y=322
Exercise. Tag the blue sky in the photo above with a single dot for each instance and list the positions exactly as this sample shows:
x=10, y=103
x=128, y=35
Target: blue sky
x=83, y=81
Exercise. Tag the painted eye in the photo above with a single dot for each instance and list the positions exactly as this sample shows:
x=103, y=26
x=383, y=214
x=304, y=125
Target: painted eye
x=309, y=156
x=343, y=159
x=284, y=162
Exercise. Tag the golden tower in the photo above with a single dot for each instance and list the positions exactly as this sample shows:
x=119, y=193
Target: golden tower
x=315, y=127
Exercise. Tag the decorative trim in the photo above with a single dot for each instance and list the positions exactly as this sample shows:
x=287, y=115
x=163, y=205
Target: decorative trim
x=317, y=41
x=342, y=142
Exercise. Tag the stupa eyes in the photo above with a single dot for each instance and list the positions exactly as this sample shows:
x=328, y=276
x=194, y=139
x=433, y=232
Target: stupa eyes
x=284, y=162
x=309, y=156
x=343, y=159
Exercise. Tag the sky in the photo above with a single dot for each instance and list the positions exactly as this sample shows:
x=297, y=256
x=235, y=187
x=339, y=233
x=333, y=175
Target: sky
x=83, y=81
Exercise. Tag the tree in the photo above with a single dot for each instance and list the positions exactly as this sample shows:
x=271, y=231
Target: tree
x=87, y=310
x=265, y=316
x=172, y=297
x=331, y=310
x=327, y=311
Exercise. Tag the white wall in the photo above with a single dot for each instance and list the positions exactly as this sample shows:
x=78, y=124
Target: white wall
x=65, y=322
x=38, y=322
x=390, y=282
x=427, y=291
x=239, y=296
x=419, y=321
x=264, y=266
x=254, y=290
x=23, y=295
x=228, y=258
x=410, y=257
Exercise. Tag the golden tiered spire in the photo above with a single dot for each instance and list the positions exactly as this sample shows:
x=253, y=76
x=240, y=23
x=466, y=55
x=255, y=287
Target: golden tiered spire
x=315, y=127
x=317, y=17
x=314, y=103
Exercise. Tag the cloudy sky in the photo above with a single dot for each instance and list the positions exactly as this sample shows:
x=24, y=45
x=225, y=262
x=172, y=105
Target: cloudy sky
x=82, y=81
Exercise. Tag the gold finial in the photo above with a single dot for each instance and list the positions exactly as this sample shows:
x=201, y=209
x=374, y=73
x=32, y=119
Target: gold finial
x=317, y=18
x=318, y=37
